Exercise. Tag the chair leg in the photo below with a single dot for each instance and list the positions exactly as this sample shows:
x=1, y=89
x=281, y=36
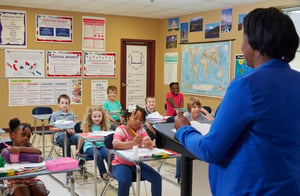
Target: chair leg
x=105, y=187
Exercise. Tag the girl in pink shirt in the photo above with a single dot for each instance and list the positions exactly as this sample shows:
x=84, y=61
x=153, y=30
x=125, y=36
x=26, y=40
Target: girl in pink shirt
x=125, y=137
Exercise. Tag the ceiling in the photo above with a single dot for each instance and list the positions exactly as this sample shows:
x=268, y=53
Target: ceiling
x=138, y=8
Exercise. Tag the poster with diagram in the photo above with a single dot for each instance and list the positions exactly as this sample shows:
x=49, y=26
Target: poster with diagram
x=24, y=63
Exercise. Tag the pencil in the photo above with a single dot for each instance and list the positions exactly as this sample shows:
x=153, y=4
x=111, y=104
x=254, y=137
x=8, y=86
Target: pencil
x=8, y=146
x=133, y=132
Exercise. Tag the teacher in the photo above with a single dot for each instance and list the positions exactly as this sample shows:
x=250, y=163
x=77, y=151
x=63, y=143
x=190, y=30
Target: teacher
x=253, y=145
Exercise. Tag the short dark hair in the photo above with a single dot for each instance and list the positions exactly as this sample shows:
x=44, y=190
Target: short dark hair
x=63, y=96
x=272, y=33
x=172, y=83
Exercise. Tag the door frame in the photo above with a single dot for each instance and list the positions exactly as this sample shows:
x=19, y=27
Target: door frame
x=150, y=66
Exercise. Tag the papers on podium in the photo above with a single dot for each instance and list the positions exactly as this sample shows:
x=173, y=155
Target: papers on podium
x=203, y=128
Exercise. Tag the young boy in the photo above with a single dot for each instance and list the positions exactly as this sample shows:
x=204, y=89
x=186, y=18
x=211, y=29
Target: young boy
x=63, y=103
x=150, y=104
x=112, y=105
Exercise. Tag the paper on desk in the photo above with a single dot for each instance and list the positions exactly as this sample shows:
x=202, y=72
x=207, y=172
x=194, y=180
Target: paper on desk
x=203, y=128
x=100, y=133
x=17, y=166
x=64, y=122
x=143, y=152
x=154, y=115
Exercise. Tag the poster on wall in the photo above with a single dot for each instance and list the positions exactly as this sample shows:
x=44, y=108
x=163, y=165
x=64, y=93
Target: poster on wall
x=24, y=63
x=205, y=68
x=99, y=64
x=184, y=31
x=240, y=21
x=241, y=67
x=53, y=28
x=173, y=24
x=226, y=24
x=13, y=28
x=32, y=92
x=170, y=67
x=171, y=41
x=196, y=24
x=212, y=30
x=63, y=63
x=93, y=33
x=99, y=95
x=136, y=75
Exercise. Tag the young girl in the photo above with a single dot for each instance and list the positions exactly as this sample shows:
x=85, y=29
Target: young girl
x=125, y=137
x=95, y=120
x=20, y=136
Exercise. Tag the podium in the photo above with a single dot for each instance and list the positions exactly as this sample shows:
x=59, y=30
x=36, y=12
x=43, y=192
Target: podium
x=165, y=138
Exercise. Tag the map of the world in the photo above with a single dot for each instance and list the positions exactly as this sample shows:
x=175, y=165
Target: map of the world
x=205, y=68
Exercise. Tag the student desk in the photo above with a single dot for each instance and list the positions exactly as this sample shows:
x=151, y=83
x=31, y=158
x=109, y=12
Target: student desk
x=165, y=138
x=39, y=173
x=42, y=118
x=94, y=137
x=64, y=127
x=128, y=155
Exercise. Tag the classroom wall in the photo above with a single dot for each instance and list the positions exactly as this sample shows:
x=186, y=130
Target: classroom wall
x=210, y=17
x=117, y=27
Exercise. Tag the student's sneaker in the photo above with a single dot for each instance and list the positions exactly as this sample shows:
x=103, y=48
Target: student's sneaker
x=179, y=180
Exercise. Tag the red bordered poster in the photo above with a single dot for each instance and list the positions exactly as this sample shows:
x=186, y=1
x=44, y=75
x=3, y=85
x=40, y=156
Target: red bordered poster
x=53, y=28
x=63, y=63
x=99, y=64
x=93, y=33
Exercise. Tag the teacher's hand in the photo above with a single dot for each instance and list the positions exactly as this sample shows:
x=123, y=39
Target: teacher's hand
x=181, y=121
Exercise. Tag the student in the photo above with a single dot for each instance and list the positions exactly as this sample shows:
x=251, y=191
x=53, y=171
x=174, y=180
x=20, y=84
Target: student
x=63, y=103
x=174, y=99
x=95, y=120
x=20, y=136
x=150, y=104
x=253, y=145
x=194, y=113
x=125, y=137
x=112, y=105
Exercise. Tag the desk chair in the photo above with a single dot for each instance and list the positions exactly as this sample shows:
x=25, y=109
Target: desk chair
x=108, y=144
x=36, y=111
x=208, y=109
x=82, y=157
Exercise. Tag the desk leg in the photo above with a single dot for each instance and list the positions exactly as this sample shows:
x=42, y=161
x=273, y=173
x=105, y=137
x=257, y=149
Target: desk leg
x=138, y=178
x=43, y=132
x=2, y=184
x=186, y=176
x=95, y=168
x=65, y=143
x=71, y=176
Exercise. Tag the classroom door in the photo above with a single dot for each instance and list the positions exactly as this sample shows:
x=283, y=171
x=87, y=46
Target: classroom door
x=137, y=71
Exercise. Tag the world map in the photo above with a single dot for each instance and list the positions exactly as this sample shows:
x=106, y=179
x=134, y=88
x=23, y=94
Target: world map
x=205, y=68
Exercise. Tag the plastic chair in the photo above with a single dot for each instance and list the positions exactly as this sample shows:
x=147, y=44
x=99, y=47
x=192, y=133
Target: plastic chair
x=207, y=108
x=108, y=144
x=36, y=111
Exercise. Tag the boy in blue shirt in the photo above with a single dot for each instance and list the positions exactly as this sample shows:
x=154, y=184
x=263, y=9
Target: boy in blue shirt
x=63, y=103
x=112, y=105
